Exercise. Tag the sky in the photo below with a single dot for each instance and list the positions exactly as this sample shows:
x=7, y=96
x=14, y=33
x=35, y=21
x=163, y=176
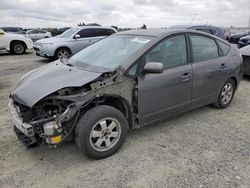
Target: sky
x=126, y=13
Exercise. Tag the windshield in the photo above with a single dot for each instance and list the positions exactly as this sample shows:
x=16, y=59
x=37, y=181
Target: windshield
x=109, y=53
x=68, y=33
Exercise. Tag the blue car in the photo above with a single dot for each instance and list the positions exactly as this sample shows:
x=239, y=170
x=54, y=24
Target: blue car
x=213, y=30
x=244, y=41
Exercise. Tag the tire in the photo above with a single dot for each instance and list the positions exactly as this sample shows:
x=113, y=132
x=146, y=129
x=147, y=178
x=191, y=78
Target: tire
x=225, y=91
x=62, y=53
x=91, y=136
x=18, y=48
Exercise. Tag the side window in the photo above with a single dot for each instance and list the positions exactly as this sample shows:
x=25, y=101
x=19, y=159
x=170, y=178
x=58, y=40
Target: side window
x=108, y=32
x=103, y=32
x=171, y=52
x=203, y=48
x=99, y=32
x=32, y=32
x=224, y=47
x=132, y=70
x=84, y=33
x=11, y=29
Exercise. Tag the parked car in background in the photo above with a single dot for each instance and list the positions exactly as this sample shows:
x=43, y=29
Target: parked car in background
x=245, y=52
x=63, y=29
x=213, y=30
x=226, y=32
x=244, y=41
x=125, y=81
x=235, y=37
x=53, y=31
x=71, y=41
x=14, y=43
x=16, y=30
x=36, y=34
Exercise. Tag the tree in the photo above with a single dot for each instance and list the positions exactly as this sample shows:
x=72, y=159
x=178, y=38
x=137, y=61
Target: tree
x=144, y=26
x=81, y=24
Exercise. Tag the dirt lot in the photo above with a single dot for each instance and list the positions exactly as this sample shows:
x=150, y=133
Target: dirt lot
x=202, y=148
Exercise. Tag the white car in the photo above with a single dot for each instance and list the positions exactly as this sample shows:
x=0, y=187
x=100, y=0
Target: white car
x=15, y=43
x=36, y=34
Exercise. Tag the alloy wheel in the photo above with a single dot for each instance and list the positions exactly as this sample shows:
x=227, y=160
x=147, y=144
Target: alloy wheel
x=18, y=49
x=227, y=93
x=105, y=134
x=62, y=54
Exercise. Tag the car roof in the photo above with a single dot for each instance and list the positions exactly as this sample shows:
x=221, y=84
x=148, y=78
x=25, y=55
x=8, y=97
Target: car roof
x=159, y=32
x=191, y=26
x=92, y=27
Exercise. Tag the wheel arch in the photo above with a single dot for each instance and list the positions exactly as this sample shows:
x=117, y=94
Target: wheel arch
x=60, y=47
x=117, y=102
x=13, y=41
x=235, y=81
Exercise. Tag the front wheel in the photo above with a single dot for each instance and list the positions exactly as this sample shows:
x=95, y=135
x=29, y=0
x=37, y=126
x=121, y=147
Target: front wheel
x=62, y=53
x=101, y=131
x=18, y=48
x=226, y=95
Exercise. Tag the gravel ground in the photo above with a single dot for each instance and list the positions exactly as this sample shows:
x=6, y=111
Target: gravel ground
x=203, y=148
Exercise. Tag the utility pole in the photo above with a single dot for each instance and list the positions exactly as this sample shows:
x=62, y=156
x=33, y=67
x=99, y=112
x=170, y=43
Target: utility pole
x=193, y=19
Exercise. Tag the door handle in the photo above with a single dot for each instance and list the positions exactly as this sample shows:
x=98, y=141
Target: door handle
x=186, y=77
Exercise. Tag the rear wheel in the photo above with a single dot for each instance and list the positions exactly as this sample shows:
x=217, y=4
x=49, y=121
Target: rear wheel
x=62, y=53
x=17, y=48
x=101, y=131
x=226, y=94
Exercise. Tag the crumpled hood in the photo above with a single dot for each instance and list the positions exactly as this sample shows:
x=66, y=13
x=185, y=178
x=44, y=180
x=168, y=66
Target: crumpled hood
x=47, y=79
x=53, y=40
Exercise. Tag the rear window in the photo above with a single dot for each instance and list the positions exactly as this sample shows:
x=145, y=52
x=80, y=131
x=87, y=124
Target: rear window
x=224, y=47
x=10, y=29
x=203, y=48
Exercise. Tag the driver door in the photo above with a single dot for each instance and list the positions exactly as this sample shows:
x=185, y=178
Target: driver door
x=161, y=95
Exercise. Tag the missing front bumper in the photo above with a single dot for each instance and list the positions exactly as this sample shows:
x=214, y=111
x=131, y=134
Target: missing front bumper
x=28, y=142
x=25, y=128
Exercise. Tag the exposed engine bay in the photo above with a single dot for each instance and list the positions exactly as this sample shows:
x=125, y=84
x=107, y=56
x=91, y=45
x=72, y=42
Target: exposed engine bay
x=52, y=120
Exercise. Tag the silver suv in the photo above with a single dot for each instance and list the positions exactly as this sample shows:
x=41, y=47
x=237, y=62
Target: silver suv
x=71, y=41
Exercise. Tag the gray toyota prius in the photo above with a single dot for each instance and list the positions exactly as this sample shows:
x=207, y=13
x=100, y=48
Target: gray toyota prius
x=123, y=82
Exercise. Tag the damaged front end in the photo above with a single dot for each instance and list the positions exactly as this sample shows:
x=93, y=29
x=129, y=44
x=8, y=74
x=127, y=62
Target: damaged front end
x=52, y=119
x=46, y=121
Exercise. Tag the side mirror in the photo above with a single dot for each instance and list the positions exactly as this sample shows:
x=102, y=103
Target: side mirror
x=77, y=36
x=1, y=32
x=153, y=67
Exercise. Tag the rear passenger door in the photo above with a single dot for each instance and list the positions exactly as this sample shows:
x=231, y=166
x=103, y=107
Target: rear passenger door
x=209, y=70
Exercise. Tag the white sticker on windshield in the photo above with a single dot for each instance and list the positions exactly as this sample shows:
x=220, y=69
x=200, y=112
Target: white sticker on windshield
x=140, y=40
